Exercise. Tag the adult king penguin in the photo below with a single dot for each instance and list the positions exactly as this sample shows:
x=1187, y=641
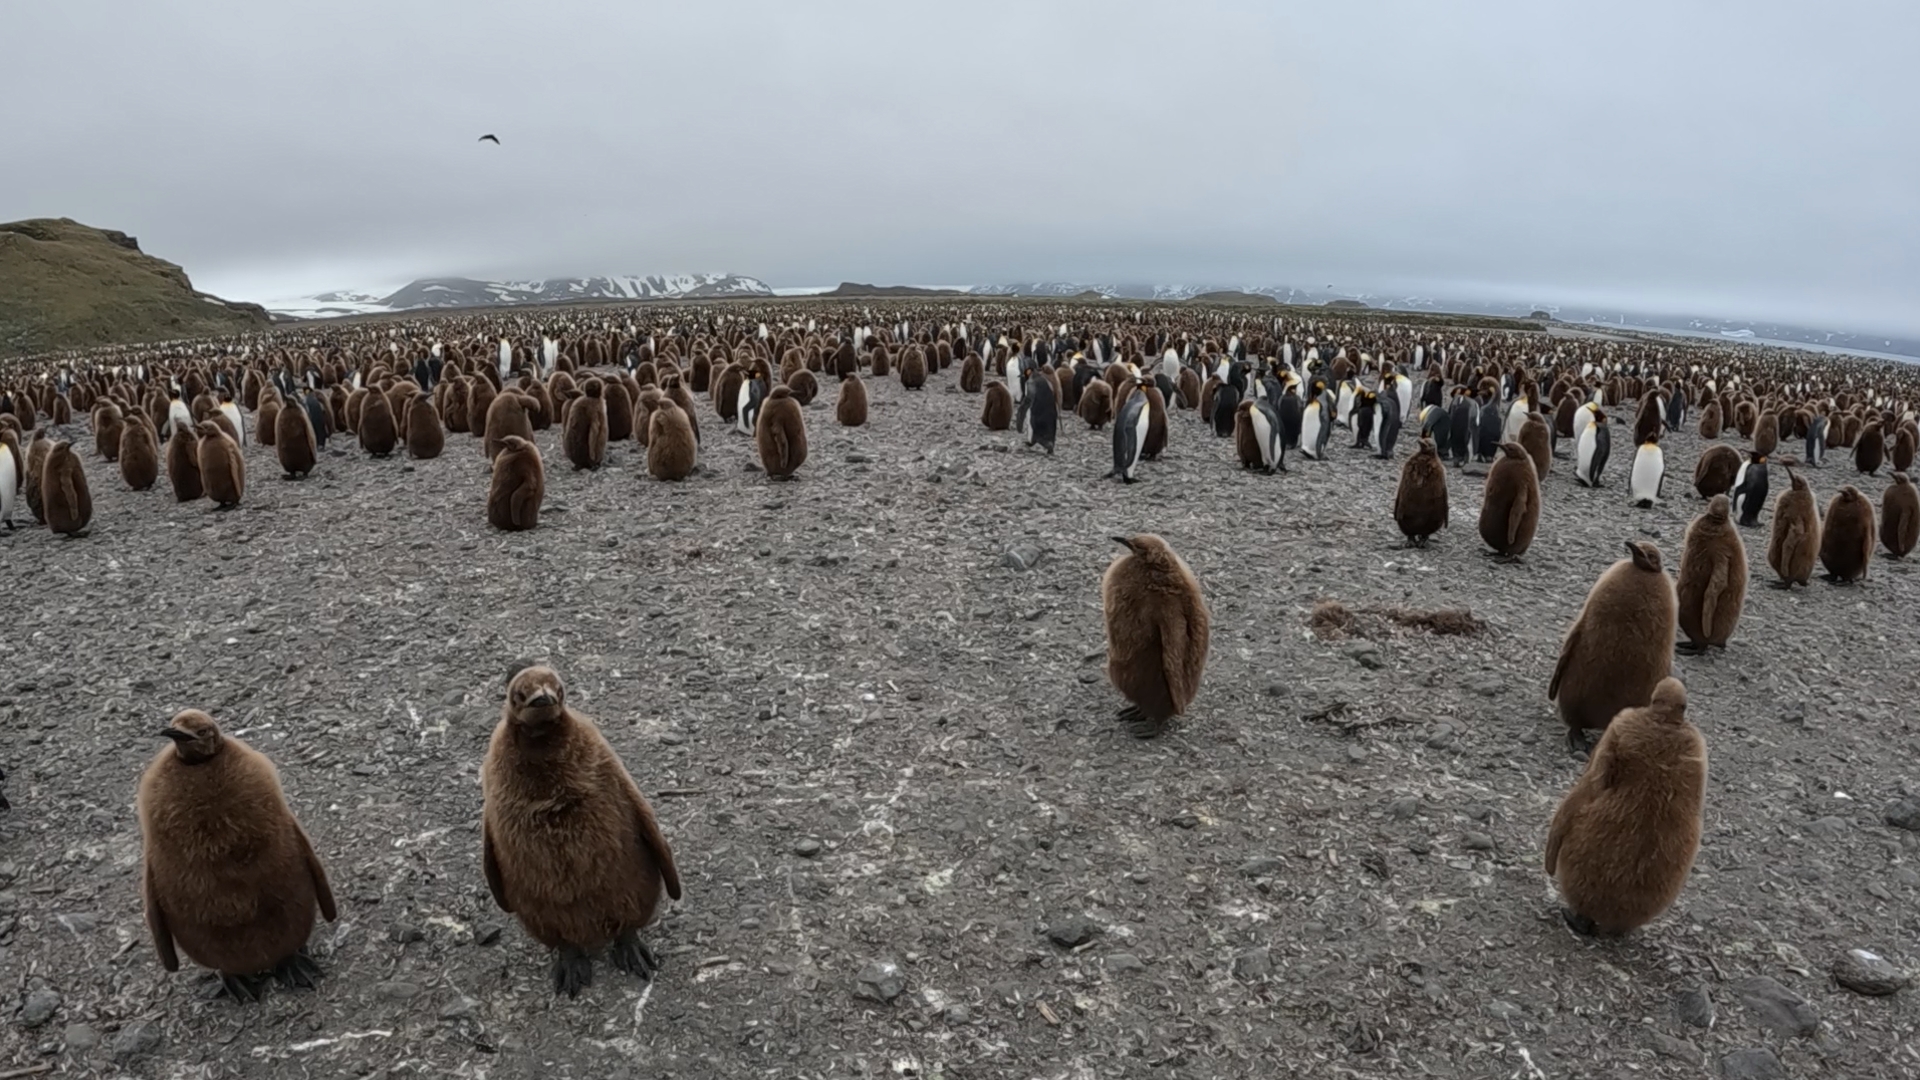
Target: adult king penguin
x=1649, y=473
x=1590, y=452
x=1129, y=437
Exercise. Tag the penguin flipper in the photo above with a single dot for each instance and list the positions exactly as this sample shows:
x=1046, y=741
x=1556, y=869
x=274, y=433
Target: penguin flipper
x=1567, y=648
x=157, y=924
x=653, y=842
x=322, y=891
x=1710, y=599
x=1516, y=516
x=496, y=884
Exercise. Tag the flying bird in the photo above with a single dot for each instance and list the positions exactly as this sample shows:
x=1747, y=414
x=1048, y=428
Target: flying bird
x=494, y=139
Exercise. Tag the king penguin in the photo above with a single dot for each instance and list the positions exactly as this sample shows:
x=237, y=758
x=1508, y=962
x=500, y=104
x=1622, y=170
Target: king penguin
x=1750, y=490
x=1459, y=444
x=1649, y=473
x=1817, y=440
x=1590, y=453
x=1129, y=437
x=1266, y=429
x=1314, y=428
x=1387, y=430
x=1291, y=412
x=1488, y=431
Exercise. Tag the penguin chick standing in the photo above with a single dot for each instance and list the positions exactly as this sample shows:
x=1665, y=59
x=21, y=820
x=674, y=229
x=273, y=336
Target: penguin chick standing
x=293, y=441
x=223, y=472
x=850, y=407
x=996, y=412
x=1420, y=503
x=228, y=875
x=64, y=497
x=1793, y=540
x=1899, y=517
x=1043, y=414
x=1157, y=632
x=1510, y=503
x=583, y=435
x=1713, y=579
x=1620, y=645
x=519, y=484
x=781, y=433
x=1846, y=537
x=1624, y=839
x=570, y=846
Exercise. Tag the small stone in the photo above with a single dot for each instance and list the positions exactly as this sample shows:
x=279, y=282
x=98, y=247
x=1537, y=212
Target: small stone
x=78, y=922
x=1356, y=754
x=396, y=991
x=135, y=1039
x=1262, y=866
x=459, y=1008
x=1420, y=845
x=1441, y=738
x=672, y=738
x=1827, y=828
x=859, y=459
x=1253, y=964
x=1904, y=814
x=1778, y=1007
x=957, y=1015
x=1752, y=1064
x=1278, y=690
x=1125, y=962
x=881, y=980
x=808, y=847
x=1021, y=557
x=486, y=935
x=1678, y=1049
x=1476, y=841
x=406, y=933
x=1504, y=1010
x=1404, y=807
x=1486, y=685
x=81, y=1038
x=1072, y=931
x=1868, y=973
x=1366, y=654
x=39, y=1008
x=1186, y=819
x=1694, y=1007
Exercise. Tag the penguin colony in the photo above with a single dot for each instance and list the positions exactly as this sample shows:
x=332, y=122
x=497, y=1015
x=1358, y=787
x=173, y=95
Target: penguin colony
x=590, y=878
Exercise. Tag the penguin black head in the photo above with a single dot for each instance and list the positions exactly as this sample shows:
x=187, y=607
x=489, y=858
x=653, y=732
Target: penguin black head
x=535, y=697
x=196, y=738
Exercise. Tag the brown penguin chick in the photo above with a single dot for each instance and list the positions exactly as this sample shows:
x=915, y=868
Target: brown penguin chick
x=619, y=401
x=725, y=391
x=1186, y=387
x=108, y=423
x=265, y=423
x=1510, y=502
x=996, y=412
x=569, y=845
x=649, y=399
x=519, y=485
x=671, y=448
x=139, y=455
x=1420, y=503
x=1096, y=404
x=972, y=375
x=781, y=433
x=227, y=874
x=294, y=443
x=1650, y=420
x=1793, y=539
x=1620, y=645
x=1766, y=433
x=1900, y=517
x=541, y=408
x=1710, y=422
x=183, y=465
x=379, y=432
x=804, y=386
x=1846, y=537
x=1563, y=415
x=1246, y=442
x=1623, y=840
x=1901, y=455
x=1714, y=473
x=1537, y=438
x=879, y=361
x=508, y=415
x=223, y=471
x=480, y=398
x=1870, y=449
x=850, y=408
x=913, y=368
x=1157, y=632
x=63, y=491
x=426, y=438
x=584, y=434
x=1712, y=590
x=30, y=488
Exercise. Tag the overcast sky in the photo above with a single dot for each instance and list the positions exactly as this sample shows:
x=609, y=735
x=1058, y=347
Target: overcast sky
x=1747, y=159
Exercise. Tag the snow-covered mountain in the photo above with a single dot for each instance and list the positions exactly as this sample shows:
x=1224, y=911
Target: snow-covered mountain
x=468, y=293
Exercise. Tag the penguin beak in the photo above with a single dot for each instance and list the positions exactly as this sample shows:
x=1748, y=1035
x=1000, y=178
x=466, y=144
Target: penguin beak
x=1123, y=542
x=175, y=734
x=541, y=700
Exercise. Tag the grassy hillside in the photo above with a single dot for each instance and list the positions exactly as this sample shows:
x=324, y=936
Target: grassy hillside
x=66, y=285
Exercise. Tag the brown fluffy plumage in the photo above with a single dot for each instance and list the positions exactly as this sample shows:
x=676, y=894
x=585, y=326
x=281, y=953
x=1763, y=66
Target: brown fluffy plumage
x=913, y=368
x=228, y=875
x=850, y=409
x=1766, y=433
x=804, y=386
x=1420, y=502
x=1712, y=589
x=223, y=472
x=64, y=497
x=996, y=412
x=1537, y=439
x=1157, y=632
x=569, y=845
x=1870, y=449
x=294, y=442
x=426, y=438
x=1714, y=473
x=1900, y=517
x=1620, y=645
x=1710, y=422
x=781, y=434
x=507, y=415
x=379, y=432
x=1096, y=404
x=1623, y=840
x=584, y=434
x=972, y=374
x=671, y=449
x=108, y=425
x=1793, y=539
x=139, y=455
x=519, y=484
x=1846, y=537
x=1510, y=502
x=183, y=465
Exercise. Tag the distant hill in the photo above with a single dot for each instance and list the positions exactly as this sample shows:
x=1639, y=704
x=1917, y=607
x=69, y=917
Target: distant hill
x=66, y=285
x=445, y=293
x=1235, y=298
x=857, y=289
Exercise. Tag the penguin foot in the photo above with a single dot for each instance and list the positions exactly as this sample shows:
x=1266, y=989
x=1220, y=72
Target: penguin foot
x=572, y=972
x=297, y=970
x=1690, y=648
x=1578, y=745
x=242, y=988
x=1579, y=923
x=632, y=956
x=1784, y=585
